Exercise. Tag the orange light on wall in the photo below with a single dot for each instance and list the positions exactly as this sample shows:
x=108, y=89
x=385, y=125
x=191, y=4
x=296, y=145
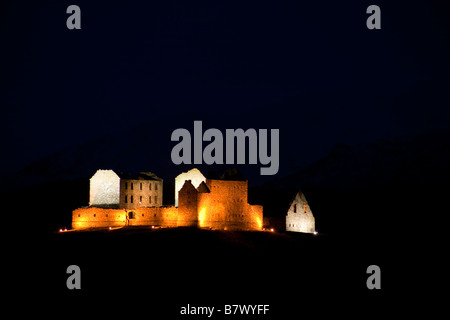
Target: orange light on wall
x=304, y=208
x=218, y=204
x=202, y=217
x=258, y=222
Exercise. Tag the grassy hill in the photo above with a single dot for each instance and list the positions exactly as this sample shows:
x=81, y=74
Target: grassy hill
x=153, y=272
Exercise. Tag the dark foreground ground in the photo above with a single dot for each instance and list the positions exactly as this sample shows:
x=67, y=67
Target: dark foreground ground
x=153, y=273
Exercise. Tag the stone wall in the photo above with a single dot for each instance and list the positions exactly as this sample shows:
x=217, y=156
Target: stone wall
x=98, y=217
x=226, y=207
x=299, y=216
x=255, y=217
x=158, y=216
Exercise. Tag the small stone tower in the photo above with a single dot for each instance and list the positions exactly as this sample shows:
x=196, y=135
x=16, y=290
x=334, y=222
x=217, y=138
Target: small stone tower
x=187, y=206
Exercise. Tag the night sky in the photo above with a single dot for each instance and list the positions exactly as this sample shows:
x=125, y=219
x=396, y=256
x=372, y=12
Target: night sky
x=137, y=62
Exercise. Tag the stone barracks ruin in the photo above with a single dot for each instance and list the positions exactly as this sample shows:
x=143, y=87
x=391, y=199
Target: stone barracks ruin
x=118, y=200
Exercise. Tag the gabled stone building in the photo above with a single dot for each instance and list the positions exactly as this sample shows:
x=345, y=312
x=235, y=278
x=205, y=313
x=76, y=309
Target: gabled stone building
x=194, y=175
x=286, y=210
x=109, y=189
x=299, y=216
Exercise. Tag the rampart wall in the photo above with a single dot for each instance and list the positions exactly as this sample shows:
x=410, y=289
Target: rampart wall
x=98, y=217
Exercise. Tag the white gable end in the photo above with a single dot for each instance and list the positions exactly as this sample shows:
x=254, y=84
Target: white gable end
x=299, y=217
x=194, y=175
x=104, y=188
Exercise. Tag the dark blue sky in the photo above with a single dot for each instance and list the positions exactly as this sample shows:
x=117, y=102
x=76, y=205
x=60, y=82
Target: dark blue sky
x=139, y=62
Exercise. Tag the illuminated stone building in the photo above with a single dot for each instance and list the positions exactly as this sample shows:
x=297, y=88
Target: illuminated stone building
x=194, y=175
x=109, y=189
x=299, y=216
x=287, y=211
x=219, y=204
x=118, y=200
x=121, y=200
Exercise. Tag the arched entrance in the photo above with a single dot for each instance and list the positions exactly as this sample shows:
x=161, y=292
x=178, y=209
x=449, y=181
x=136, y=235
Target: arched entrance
x=130, y=215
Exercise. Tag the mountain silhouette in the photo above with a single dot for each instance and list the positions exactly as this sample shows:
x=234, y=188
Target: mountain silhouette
x=421, y=160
